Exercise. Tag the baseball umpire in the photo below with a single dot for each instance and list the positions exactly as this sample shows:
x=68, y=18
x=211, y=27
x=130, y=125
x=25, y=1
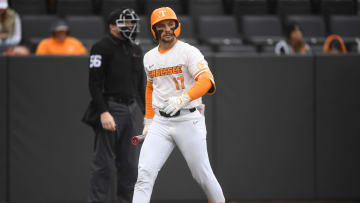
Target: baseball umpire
x=116, y=83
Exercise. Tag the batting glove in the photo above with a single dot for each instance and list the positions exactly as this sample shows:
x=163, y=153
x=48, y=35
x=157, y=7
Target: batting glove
x=176, y=103
x=147, y=123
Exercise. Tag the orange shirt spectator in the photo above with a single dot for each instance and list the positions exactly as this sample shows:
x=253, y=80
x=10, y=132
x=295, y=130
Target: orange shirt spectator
x=60, y=43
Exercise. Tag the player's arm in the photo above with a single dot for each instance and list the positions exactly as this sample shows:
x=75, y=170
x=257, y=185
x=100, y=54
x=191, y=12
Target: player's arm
x=199, y=69
x=149, y=111
x=204, y=84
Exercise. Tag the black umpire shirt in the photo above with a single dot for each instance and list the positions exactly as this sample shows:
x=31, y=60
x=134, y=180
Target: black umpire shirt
x=116, y=70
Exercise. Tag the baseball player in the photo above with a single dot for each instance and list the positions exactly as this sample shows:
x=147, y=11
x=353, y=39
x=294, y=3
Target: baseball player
x=177, y=77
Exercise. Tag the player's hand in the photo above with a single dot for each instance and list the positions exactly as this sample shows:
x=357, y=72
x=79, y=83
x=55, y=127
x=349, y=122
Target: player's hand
x=201, y=109
x=147, y=123
x=176, y=103
x=107, y=121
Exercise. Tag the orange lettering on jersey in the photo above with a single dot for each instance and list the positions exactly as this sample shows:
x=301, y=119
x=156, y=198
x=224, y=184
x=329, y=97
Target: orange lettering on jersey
x=165, y=71
x=179, y=69
x=170, y=69
x=158, y=71
x=174, y=70
x=151, y=74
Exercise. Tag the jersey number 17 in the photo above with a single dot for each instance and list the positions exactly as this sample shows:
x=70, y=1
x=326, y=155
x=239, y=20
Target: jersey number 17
x=180, y=80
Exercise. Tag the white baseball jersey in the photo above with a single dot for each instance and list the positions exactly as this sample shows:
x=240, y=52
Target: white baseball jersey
x=174, y=72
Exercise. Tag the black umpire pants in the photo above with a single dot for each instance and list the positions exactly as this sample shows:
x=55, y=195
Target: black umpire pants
x=114, y=150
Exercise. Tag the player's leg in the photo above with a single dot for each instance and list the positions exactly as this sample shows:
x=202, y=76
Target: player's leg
x=190, y=137
x=155, y=151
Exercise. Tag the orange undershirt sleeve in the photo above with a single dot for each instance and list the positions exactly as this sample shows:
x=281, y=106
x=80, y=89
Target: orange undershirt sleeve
x=204, y=84
x=149, y=111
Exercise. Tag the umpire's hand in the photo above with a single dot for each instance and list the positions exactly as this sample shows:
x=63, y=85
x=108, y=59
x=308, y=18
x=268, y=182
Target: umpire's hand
x=107, y=121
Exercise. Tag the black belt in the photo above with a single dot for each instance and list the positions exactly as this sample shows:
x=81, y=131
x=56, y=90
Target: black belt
x=177, y=113
x=120, y=100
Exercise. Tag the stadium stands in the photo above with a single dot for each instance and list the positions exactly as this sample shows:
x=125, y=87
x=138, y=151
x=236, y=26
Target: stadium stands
x=317, y=49
x=338, y=7
x=268, y=49
x=187, y=30
x=176, y=5
x=261, y=30
x=74, y=7
x=86, y=28
x=247, y=26
x=109, y=5
x=29, y=7
x=205, y=7
x=348, y=27
x=205, y=49
x=218, y=30
x=250, y=7
x=237, y=48
x=36, y=27
x=293, y=7
x=313, y=27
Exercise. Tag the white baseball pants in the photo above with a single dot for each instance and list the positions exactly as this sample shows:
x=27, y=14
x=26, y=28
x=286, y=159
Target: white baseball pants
x=188, y=132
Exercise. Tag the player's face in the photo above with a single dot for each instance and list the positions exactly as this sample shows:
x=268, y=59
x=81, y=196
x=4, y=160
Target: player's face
x=166, y=30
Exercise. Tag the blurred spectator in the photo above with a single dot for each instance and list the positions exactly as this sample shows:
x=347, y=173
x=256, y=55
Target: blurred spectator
x=19, y=50
x=334, y=44
x=10, y=25
x=294, y=44
x=60, y=43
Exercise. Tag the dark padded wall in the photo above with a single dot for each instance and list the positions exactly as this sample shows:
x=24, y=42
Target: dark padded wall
x=3, y=135
x=338, y=127
x=261, y=133
x=50, y=147
x=265, y=127
x=175, y=180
